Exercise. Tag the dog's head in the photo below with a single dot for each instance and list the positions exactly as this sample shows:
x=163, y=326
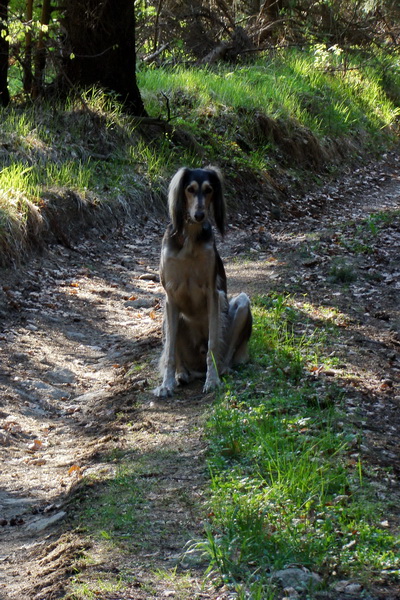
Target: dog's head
x=191, y=194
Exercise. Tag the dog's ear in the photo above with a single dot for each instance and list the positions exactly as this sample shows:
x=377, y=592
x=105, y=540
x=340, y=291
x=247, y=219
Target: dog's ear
x=176, y=199
x=218, y=198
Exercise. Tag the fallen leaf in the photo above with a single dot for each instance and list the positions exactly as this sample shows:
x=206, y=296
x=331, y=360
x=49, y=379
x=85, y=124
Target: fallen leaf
x=12, y=427
x=37, y=462
x=75, y=469
x=35, y=446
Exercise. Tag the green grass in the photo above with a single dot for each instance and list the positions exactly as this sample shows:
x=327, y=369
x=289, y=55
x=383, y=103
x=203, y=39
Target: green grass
x=126, y=513
x=114, y=509
x=290, y=86
x=287, y=484
x=283, y=110
x=368, y=230
x=342, y=272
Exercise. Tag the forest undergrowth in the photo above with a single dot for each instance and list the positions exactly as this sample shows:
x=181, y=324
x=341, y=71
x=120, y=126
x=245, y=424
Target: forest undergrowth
x=288, y=120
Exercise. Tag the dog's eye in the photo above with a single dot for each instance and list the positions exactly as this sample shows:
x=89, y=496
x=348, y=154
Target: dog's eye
x=207, y=190
x=191, y=189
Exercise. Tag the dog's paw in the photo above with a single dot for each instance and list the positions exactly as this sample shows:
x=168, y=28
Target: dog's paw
x=183, y=378
x=211, y=383
x=164, y=391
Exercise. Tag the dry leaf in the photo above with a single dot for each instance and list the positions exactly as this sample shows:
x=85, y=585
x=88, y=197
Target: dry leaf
x=75, y=469
x=12, y=427
x=37, y=462
x=35, y=446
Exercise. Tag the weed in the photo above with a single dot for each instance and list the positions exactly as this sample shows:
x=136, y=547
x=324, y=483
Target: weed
x=359, y=238
x=342, y=272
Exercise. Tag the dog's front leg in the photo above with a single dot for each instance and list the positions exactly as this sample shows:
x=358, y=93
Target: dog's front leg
x=214, y=324
x=171, y=317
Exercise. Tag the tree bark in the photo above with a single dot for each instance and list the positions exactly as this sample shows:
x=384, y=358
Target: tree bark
x=99, y=48
x=40, y=55
x=4, y=49
x=27, y=64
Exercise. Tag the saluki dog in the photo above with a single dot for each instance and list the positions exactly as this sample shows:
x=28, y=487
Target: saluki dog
x=204, y=333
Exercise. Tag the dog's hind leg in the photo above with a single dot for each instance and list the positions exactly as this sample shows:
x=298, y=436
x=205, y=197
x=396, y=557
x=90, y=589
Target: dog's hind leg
x=240, y=325
x=215, y=303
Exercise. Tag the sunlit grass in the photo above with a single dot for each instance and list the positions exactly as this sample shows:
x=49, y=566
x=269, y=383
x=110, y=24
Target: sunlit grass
x=287, y=86
x=286, y=488
x=90, y=146
x=16, y=180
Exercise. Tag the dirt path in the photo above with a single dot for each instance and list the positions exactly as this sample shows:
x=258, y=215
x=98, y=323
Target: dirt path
x=73, y=322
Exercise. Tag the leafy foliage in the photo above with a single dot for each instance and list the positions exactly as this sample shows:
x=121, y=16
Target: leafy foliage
x=170, y=33
x=236, y=31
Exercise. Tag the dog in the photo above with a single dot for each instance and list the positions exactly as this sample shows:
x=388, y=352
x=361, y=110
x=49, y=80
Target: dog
x=204, y=332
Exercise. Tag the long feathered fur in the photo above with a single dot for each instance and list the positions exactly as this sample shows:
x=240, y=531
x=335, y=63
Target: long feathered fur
x=203, y=332
x=176, y=197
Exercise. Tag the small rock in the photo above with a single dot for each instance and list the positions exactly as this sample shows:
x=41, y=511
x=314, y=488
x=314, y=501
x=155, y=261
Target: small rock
x=75, y=335
x=61, y=376
x=296, y=578
x=21, y=356
x=48, y=389
x=311, y=262
x=291, y=593
x=41, y=524
x=71, y=409
x=353, y=588
x=14, y=521
x=4, y=439
x=96, y=349
x=150, y=277
x=92, y=396
x=342, y=586
x=140, y=303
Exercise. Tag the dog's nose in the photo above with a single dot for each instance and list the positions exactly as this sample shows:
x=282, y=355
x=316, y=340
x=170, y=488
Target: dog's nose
x=199, y=215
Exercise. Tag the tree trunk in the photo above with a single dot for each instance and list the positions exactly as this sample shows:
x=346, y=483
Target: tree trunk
x=40, y=55
x=271, y=9
x=27, y=63
x=4, y=93
x=99, y=48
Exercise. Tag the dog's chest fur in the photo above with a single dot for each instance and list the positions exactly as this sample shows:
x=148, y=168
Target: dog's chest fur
x=187, y=274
